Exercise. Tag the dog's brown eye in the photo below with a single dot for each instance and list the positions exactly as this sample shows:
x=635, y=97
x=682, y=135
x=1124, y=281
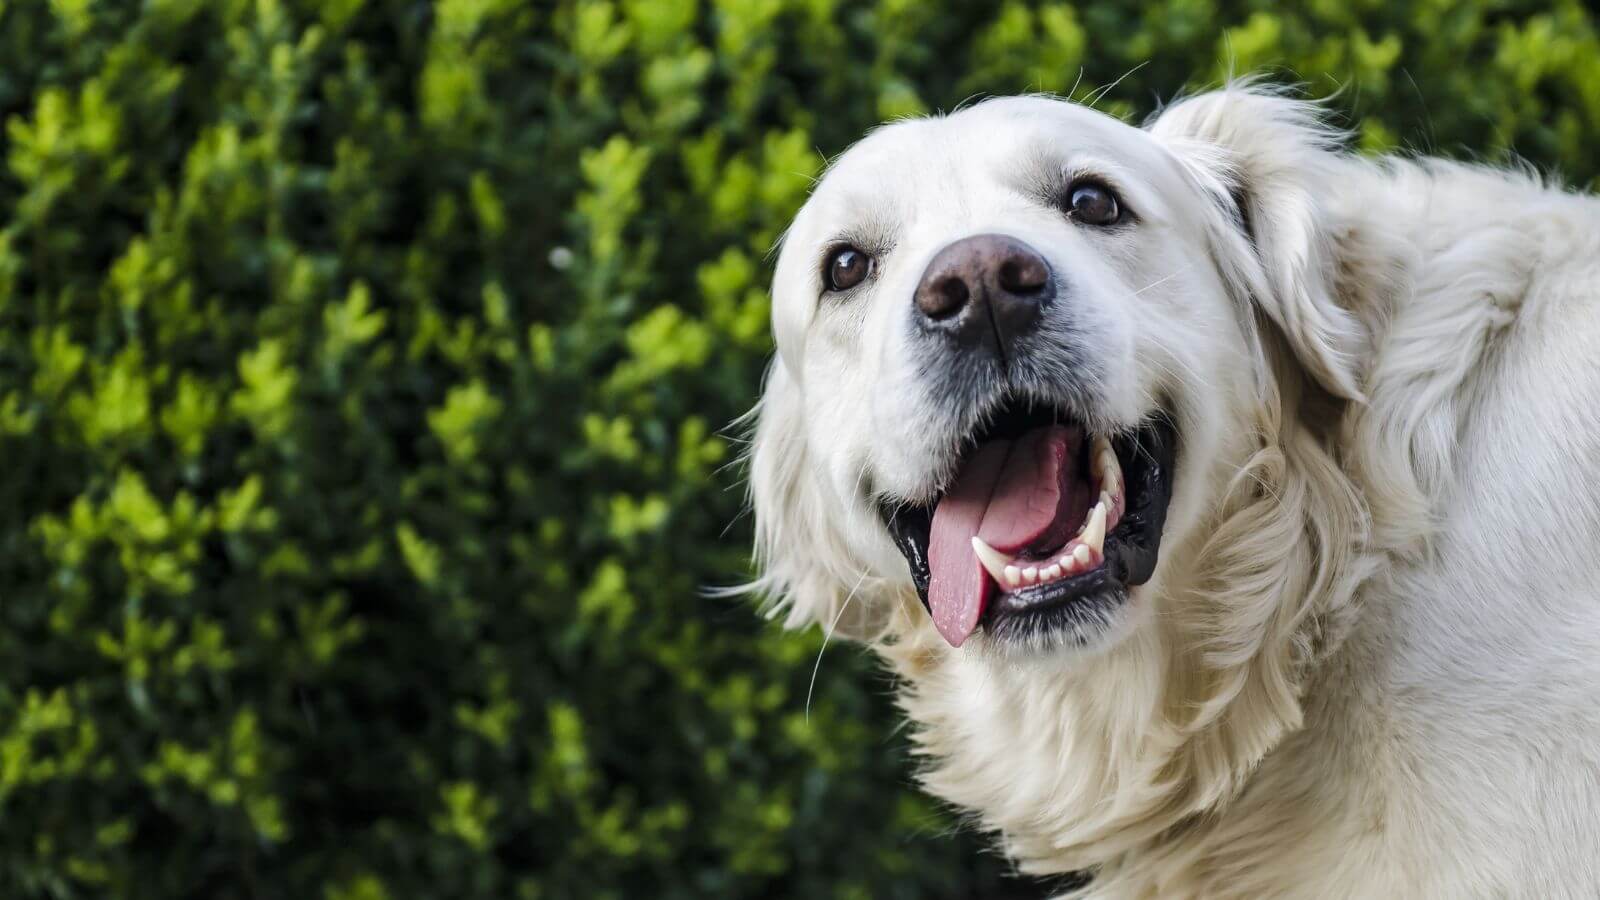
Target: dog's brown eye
x=846, y=268
x=1094, y=204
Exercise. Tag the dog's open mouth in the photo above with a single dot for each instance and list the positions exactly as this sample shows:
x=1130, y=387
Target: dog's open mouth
x=1044, y=526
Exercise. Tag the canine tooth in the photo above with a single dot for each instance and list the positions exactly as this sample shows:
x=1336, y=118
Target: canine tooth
x=1030, y=575
x=1093, y=534
x=1081, y=555
x=1110, y=468
x=1013, y=576
x=993, y=560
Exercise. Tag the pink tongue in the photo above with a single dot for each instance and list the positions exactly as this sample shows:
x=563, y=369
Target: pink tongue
x=1010, y=494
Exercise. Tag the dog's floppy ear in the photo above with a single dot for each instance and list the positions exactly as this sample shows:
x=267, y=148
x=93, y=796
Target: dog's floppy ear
x=1267, y=161
x=807, y=568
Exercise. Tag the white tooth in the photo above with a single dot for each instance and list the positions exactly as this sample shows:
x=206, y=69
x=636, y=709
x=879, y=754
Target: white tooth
x=992, y=559
x=1110, y=466
x=1030, y=575
x=1093, y=534
x=1013, y=575
x=1105, y=500
x=1081, y=554
x=1052, y=573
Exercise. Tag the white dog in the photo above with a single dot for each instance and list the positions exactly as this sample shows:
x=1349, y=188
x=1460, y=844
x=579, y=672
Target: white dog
x=1229, y=505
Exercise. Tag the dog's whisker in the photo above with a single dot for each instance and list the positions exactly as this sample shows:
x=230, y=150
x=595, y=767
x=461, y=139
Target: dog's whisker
x=826, y=636
x=1160, y=281
x=1100, y=94
x=1188, y=372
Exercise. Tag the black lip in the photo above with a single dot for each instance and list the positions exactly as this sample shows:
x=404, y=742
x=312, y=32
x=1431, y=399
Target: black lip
x=1132, y=548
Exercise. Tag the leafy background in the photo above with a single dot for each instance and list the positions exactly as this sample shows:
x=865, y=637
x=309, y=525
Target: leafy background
x=365, y=375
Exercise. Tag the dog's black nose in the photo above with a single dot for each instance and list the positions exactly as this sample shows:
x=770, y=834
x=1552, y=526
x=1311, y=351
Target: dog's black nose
x=986, y=289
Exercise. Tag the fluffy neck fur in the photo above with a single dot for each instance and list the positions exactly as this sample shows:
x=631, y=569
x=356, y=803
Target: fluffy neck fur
x=1152, y=765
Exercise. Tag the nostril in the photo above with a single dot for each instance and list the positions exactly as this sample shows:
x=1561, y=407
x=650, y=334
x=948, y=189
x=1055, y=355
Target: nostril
x=943, y=297
x=1023, y=274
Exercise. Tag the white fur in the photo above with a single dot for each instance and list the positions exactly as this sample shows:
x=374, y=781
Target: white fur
x=1368, y=664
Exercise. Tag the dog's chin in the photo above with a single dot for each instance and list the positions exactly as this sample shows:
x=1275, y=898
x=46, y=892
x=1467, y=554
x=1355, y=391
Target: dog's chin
x=1058, y=622
x=1085, y=606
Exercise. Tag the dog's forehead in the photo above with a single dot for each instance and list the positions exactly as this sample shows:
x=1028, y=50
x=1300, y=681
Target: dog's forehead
x=1001, y=140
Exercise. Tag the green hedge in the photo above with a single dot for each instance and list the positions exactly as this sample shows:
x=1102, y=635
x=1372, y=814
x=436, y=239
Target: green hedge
x=366, y=373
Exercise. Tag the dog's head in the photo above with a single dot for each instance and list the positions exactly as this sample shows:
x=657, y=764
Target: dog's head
x=1055, y=389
